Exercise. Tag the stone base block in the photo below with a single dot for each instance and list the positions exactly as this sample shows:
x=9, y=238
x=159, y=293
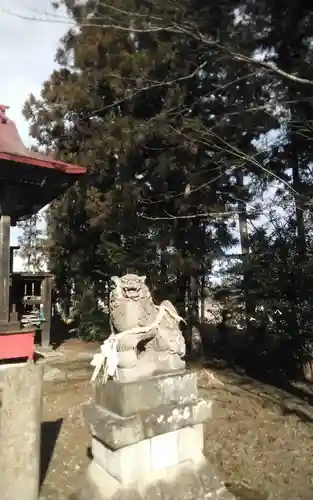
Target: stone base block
x=185, y=481
x=128, y=398
x=138, y=460
x=117, y=432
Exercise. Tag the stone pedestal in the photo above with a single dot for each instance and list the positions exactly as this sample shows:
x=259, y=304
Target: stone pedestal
x=147, y=441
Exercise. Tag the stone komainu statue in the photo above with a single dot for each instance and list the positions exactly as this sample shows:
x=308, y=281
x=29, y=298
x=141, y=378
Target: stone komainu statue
x=153, y=342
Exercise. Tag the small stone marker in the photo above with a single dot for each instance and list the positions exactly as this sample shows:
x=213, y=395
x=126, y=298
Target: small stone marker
x=20, y=425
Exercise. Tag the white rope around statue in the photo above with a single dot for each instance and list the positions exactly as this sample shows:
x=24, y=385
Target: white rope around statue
x=107, y=358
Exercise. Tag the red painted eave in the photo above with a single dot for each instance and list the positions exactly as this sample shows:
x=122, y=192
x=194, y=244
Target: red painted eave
x=66, y=168
x=12, y=149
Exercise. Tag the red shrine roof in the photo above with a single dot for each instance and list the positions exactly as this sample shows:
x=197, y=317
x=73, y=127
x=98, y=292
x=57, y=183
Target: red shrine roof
x=13, y=149
x=28, y=180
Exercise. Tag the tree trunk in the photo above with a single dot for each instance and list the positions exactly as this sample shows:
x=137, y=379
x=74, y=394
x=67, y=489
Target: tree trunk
x=202, y=297
x=244, y=241
x=194, y=299
x=300, y=242
x=181, y=292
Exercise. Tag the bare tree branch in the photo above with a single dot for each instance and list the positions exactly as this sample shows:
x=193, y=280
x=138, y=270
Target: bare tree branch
x=271, y=66
x=192, y=216
x=164, y=26
x=166, y=83
x=69, y=22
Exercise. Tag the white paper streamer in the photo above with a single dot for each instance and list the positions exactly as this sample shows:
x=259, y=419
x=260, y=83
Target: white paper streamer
x=108, y=357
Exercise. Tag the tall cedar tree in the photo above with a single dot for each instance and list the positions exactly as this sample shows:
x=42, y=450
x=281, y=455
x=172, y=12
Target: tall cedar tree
x=164, y=120
x=148, y=177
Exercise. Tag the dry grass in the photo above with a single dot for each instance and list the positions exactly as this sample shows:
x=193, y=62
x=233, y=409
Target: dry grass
x=255, y=443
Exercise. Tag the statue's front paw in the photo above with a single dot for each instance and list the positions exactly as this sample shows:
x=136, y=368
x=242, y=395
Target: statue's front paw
x=127, y=359
x=128, y=342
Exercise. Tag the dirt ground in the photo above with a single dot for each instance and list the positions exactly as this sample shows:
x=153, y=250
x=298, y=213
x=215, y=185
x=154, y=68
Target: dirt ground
x=260, y=437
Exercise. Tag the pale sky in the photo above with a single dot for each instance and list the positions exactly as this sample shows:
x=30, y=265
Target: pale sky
x=27, y=52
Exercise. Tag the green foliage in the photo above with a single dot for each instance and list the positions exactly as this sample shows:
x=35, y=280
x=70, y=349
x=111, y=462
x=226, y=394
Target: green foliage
x=165, y=106
x=144, y=173
x=92, y=322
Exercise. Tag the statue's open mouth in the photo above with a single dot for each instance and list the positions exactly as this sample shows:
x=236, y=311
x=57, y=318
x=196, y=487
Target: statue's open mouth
x=131, y=292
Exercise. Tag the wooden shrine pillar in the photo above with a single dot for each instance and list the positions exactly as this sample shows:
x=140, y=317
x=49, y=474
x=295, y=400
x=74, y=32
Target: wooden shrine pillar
x=5, y=223
x=46, y=293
